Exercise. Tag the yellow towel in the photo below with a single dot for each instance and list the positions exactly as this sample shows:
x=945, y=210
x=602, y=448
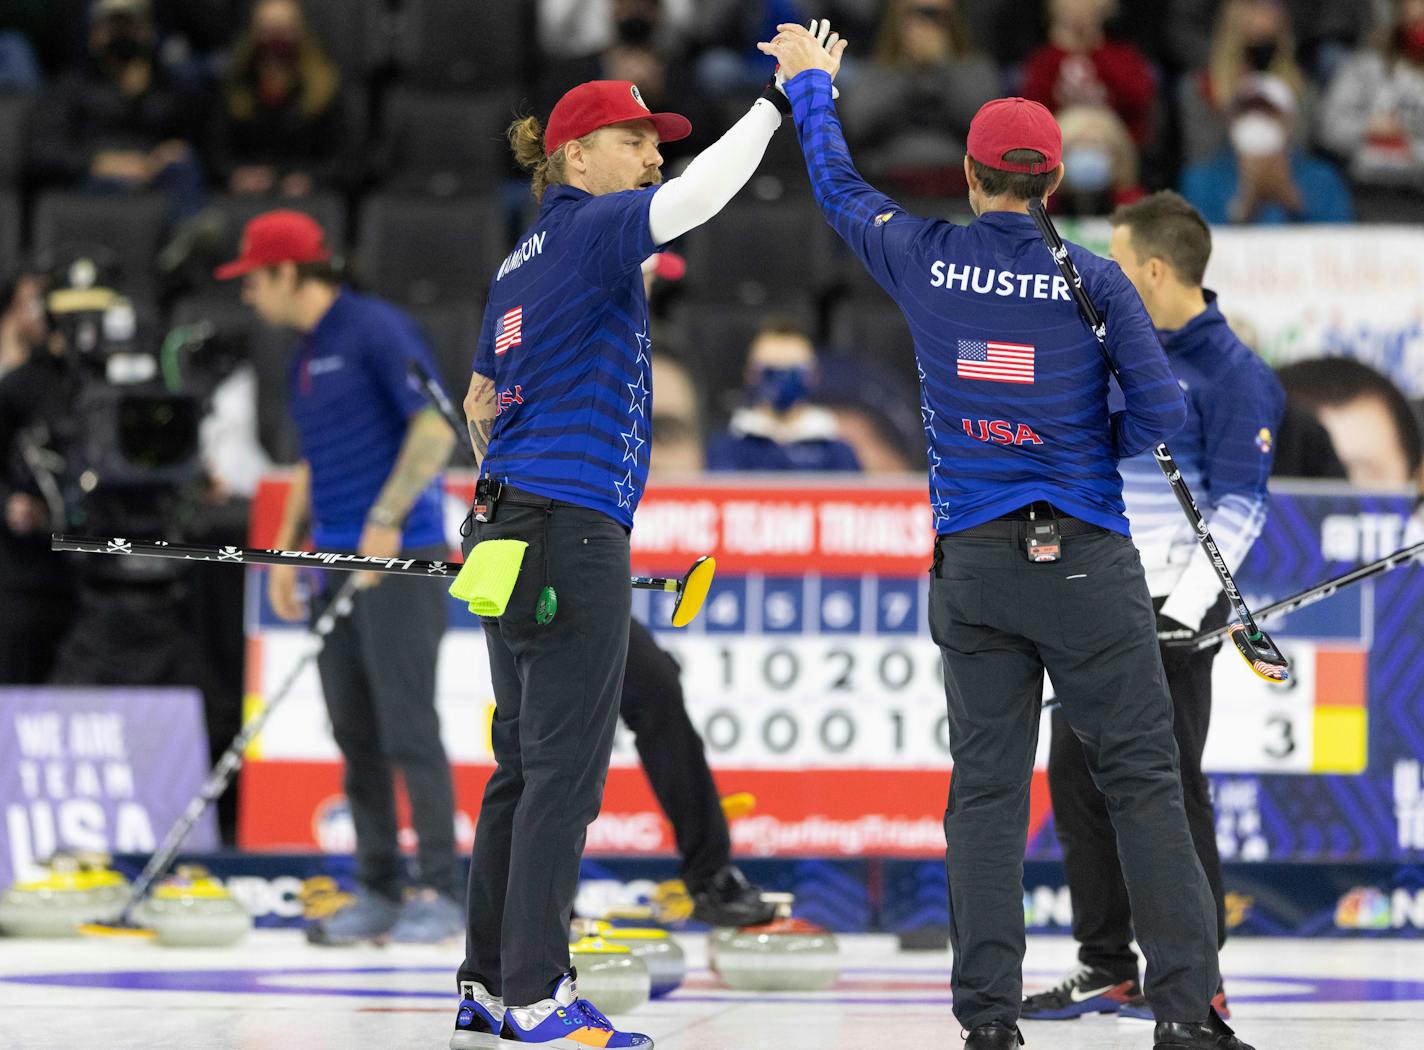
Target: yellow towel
x=486, y=580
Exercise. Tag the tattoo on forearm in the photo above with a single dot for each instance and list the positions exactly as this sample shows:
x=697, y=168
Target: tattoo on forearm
x=422, y=456
x=480, y=411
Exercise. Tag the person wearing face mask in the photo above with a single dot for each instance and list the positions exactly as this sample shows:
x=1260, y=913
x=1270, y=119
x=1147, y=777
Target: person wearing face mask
x=118, y=122
x=1263, y=177
x=282, y=129
x=1373, y=118
x=1099, y=161
x=1249, y=38
x=778, y=429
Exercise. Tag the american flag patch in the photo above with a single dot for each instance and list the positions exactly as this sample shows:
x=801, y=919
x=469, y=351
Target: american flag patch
x=995, y=362
x=510, y=330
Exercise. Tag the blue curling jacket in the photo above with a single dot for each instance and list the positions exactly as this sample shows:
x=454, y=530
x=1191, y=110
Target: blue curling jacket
x=1014, y=387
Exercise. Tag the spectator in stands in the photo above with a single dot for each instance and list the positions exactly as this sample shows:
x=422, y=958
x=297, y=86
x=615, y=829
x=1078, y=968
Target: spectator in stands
x=909, y=114
x=24, y=325
x=1250, y=38
x=1080, y=66
x=1100, y=166
x=634, y=52
x=1371, y=425
x=579, y=28
x=1328, y=29
x=778, y=429
x=1263, y=177
x=1373, y=117
x=117, y=122
x=678, y=448
x=282, y=128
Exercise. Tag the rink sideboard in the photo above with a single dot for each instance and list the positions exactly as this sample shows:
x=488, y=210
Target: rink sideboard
x=812, y=677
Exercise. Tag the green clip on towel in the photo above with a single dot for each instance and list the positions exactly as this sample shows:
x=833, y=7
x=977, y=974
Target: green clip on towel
x=486, y=580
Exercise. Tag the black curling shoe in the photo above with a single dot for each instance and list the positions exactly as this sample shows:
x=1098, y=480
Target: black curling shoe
x=1211, y=1034
x=994, y=1037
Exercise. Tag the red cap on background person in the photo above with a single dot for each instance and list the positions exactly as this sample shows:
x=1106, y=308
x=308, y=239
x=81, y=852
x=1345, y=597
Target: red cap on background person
x=599, y=103
x=1007, y=124
x=276, y=237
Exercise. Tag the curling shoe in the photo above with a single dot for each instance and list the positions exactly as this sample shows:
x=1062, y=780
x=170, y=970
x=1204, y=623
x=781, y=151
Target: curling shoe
x=1086, y=990
x=1137, y=1009
x=730, y=900
x=994, y=1037
x=480, y=1018
x=566, y=1022
x=1211, y=1034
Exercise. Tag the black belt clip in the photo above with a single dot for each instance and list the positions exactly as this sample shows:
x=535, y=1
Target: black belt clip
x=487, y=493
x=1042, y=540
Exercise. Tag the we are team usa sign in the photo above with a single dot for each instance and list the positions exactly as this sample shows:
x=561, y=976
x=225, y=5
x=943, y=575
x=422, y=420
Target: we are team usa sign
x=812, y=677
x=98, y=770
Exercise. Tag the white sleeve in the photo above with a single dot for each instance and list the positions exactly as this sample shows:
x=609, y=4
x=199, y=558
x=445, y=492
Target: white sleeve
x=714, y=176
x=1235, y=523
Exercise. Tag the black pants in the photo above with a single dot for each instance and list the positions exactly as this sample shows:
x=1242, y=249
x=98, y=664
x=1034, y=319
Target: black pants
x=378, y=677
x=1000, y=620
x=556, y=692
x=1102, y=915
x=674, y=759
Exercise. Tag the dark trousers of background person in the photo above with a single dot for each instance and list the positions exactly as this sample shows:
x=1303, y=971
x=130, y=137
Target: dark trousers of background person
x=674, y=759
x=378, y=677
x=999, y=621
x=1102, y=915
x=556, y=690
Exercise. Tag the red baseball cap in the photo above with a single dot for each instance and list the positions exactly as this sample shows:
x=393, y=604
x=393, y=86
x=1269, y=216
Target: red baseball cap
x=1007, y=124
x=277, y=237
x=600, y=103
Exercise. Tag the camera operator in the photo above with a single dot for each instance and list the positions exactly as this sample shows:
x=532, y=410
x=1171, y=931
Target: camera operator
x=34, y=582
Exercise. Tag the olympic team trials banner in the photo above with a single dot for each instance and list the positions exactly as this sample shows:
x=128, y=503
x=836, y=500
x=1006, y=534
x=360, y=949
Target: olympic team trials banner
x=97, y=769
x=811, y=675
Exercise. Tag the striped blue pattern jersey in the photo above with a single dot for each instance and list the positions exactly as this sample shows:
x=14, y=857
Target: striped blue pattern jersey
x=1013, y=385
x=565, y=340
x=352, y=399
x=1224, y=451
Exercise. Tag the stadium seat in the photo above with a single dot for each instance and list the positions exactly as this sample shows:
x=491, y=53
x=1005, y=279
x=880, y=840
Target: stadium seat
x=131, y=226
x=875, y=330
x=11, y=221
x=14, y=123
x=444, y=142
x=354, y=33
x=424, y=250
x=453, y=330
x=758, y=252
x=459, y=44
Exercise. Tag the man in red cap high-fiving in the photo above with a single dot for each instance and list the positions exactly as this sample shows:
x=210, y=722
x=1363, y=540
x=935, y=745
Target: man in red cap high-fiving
x=559, y=410
x=1034, y=569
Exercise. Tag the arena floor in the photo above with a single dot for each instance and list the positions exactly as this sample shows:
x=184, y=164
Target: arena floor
x=274, y=992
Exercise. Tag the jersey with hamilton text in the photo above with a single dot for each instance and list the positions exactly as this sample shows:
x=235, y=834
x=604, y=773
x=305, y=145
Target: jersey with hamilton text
x=1013, y=385
x=565, y=341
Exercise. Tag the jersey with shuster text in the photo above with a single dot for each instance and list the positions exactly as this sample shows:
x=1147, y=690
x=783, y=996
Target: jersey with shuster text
x=1013, y=385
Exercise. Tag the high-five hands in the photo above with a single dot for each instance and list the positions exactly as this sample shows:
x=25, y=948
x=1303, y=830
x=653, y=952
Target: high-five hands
x=797, y=49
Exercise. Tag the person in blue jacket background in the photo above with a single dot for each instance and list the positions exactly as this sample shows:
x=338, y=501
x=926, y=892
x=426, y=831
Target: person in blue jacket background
x=1033, y=566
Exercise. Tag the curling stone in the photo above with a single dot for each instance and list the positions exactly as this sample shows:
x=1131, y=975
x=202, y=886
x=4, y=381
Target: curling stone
x=609, y=975
x=784, y=955
x=194, y=910
x=667, y=966
x=74, y=890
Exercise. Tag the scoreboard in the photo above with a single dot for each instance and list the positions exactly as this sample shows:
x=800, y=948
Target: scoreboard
x=812, y=678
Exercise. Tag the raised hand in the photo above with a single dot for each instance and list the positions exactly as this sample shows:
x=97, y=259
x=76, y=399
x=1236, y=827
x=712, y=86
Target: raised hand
x=798, y=49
